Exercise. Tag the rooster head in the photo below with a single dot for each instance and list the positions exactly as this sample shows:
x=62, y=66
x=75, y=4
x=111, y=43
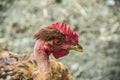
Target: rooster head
x=57, y=39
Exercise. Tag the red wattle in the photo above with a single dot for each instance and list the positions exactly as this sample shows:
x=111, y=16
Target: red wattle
x=60, y=54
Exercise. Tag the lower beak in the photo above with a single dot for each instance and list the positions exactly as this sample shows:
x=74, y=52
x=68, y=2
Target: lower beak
x=77, y=48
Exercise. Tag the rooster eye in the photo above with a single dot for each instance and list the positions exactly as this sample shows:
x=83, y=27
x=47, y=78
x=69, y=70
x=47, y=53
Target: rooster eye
x=58, y=42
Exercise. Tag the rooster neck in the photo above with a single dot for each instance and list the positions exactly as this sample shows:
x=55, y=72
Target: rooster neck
x=42, y=60
x=41, y=57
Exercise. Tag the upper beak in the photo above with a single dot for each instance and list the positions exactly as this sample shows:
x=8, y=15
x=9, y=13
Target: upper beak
x=77, y=48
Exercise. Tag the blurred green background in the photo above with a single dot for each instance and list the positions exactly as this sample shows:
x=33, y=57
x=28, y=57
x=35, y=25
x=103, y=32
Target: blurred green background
x=96, y=21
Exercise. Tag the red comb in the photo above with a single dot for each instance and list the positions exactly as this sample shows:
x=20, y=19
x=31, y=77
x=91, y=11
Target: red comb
x=66, y=30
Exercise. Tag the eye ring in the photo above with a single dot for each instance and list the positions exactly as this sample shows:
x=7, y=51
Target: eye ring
x=58, y=42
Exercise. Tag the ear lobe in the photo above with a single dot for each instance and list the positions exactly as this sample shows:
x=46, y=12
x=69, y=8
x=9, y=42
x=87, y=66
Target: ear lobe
x=47, y=44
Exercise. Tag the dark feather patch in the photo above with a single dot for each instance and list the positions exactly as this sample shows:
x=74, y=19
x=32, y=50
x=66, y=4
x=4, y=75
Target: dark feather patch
x=48, y=33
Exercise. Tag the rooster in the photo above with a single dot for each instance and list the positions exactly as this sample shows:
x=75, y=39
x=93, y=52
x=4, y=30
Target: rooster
x=56, y=40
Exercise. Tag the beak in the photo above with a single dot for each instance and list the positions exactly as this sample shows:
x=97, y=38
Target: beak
x=77, y=48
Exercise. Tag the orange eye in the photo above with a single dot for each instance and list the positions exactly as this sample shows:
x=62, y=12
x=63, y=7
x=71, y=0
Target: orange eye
x=58, y=42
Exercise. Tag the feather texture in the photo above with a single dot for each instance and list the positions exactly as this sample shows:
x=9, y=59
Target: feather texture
x=23, y=67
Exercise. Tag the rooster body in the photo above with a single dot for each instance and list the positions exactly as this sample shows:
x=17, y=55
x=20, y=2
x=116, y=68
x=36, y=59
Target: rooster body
x=57, y=40
x=24, y=67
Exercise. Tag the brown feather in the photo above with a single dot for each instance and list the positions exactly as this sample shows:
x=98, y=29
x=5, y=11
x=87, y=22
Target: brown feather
x=24, y=67
x=48, y=33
